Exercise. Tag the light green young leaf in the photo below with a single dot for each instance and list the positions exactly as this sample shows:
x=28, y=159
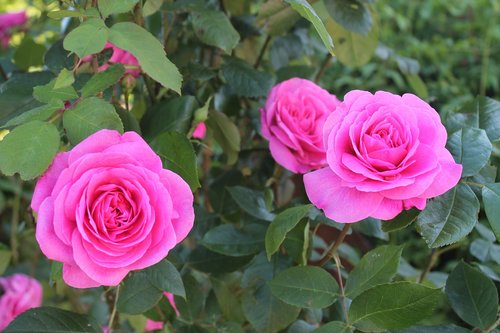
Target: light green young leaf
x=88, y=38
x=108, y=7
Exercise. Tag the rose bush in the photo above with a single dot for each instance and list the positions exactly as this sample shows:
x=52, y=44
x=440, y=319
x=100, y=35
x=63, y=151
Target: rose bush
x=108, y=207
x=18, y=293
x=292, y=120
x=385, y=153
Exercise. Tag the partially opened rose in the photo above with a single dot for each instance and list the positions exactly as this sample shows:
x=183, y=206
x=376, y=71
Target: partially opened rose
x=385, y=153
x=18, y=293
x=108, y=207
x=292, y=120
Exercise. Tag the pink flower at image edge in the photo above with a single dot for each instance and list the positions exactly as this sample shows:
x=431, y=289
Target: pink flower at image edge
x=108, y=207
x=385, y=153
x=292, y=121
x=18, y=293
x=8, y=21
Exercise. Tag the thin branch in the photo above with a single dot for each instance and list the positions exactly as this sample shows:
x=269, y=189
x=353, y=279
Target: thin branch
x=333, y=248
x=262, y=51
x=113, y=312
x=341, y=285
x=434, y=258
x=324, y=66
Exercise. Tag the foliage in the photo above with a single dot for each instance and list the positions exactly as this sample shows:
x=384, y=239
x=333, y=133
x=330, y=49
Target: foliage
x=257, y=258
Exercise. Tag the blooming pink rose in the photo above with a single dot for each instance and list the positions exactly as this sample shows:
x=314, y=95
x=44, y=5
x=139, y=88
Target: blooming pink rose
x=8, y=21
x=292, y=120
x=18, y=293
x=119, y=56
x=108, y=207
x=200, y=131
x=385, y=153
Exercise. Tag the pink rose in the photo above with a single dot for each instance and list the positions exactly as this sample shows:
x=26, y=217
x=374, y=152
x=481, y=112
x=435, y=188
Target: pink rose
x=119, y=56
x=8, y=21
x=108, y=207
x=385, y=153
x=200, y=131
x=18, y=293
x=292, y=121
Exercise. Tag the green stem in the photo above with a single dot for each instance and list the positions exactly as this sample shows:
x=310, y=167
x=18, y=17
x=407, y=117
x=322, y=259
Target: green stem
x=341, y=285
x=324, y=66
x=434, y=258
x=333, y=248
x=111, y=322
x=262, y=51
x=16, y=206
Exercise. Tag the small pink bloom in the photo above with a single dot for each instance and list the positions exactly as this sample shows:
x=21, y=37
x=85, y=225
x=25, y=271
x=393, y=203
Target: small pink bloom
x=153, y=325
x=18, y=293
x=119, y=56
x=385, y=153
x=108, y=207
x=200, y=131
x=292, y=120
x=9, y=21
x=171, y=300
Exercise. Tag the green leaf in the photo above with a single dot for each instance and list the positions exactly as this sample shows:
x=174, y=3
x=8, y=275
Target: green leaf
x=191, y=306
x=212, y=262
x=165, y=276
x=29, y=149
x=5, y=255
x=48, y=319
x=89, y=116
x=472, y=157
x=226, y=239
x=57, y=58
x=352, y=49
x=392, y=306
x=64, y=79
x=297, y=241
x=351, y=14
x=281, y=225
x=47, y=93
x=307, y=11
x=404, y=219
x=450, y=328
x=151, y=6
x=171, y=115
x=40, y=113
x=108, y=7
x=226, y=134
x=88, y=38
x=491, y=201
x=149, y=52
x=418, y=85
x=177, y=154
x=265, y=312
x=305, y=287
x=449, y=217
x=334, y=327
x=225, y=288
x=59, y=14
x=472, y=296
x=214, y=28
x=29, y=54
x=244, y=80
x=251, y=201
x=138, y=294
x=376, y=267
x=102, y=80
x=276, y=17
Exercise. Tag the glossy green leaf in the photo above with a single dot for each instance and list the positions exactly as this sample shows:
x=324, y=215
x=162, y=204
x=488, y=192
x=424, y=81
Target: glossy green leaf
x=138, y=294
x=47, y=93
x=225, y=288
x=245, y=80
x=404, y=219
x=29, y=149
x=376, y=267
x=226, y=239
x=351, y=14
x=89, y=116
x=88, y=38
x=190, y=306
x=472, y=157
x=297, y=242
x=102, y=80
x=276, y=17
x=149, y=52
x=214, y=28
x=450, y=328
x=334, y=327
x=265, y=312
x=48, y=319
x=392, y=306
x=491, y=201
x=449, y=217
x=226, y=134
x=207, y=261
x=171, y=115
x=165, y=276
x=281, y=225
x=151, y=6
x=251, y=201
x=29, y=53
x=108, y=7
x=177, y=154
x=64, y=79
x=39, y=113
x=57, y=58
x=305, y=287
x=472, y=296
x=307, y=11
